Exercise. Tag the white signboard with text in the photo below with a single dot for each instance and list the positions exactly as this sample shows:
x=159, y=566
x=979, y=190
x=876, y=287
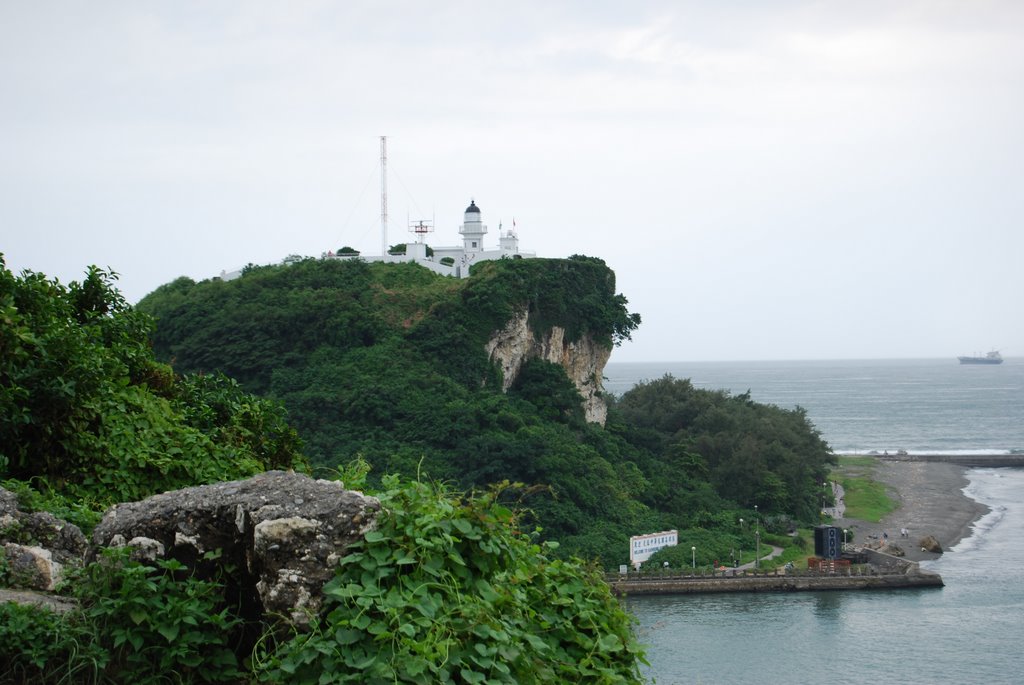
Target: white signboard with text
x=641, y=547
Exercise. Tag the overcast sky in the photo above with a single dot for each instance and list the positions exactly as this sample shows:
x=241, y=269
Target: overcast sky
x=769, y=180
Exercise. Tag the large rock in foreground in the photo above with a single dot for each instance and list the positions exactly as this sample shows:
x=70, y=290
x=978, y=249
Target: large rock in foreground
x=36, y=546
x=279, y=535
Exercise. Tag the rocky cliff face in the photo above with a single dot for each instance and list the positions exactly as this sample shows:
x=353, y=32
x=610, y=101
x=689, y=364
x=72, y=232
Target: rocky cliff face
x=583, y=360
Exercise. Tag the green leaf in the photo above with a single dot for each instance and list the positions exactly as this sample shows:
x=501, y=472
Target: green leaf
x=471, y=676
x=609, y=643
x=348, y=636
x=169, y=631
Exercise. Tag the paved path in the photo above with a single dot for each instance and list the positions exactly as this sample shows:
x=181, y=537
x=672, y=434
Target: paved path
x=776, y=551
x=839, y=510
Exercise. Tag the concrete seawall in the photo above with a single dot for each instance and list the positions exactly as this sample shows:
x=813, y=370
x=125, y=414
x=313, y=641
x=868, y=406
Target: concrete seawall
x=797, y=583
x=886, y=573
x=968, y=460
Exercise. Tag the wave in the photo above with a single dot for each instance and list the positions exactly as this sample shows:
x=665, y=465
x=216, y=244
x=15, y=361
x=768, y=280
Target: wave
x=980, y=488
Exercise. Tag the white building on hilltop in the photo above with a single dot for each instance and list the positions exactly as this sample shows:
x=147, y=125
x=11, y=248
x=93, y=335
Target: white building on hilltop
x=451, y=261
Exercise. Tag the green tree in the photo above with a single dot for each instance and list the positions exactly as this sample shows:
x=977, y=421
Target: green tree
x=86, y=411
x=751, y=453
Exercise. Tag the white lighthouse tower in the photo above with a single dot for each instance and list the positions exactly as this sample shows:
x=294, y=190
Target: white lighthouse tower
x=472, y=229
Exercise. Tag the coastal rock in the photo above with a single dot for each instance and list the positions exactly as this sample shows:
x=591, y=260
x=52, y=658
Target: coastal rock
x=143, y=549
x=929, y=544
x=277, y=536
x=31, y=567
x=583, y=360
x=37, y=545
x=54, y=603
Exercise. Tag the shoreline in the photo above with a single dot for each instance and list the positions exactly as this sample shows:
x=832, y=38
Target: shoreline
x=931, y=501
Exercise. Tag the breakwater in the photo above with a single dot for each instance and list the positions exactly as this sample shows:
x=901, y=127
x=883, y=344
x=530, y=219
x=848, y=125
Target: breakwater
x=883, y=572
x=781, y=583
x=968, y=460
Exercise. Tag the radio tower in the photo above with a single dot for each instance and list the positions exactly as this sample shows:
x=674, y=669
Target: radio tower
x=383, y=196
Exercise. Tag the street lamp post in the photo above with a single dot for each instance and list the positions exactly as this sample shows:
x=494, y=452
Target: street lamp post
x=844, y=539
x=693, y=557
x=757, y=523
x=757, y=556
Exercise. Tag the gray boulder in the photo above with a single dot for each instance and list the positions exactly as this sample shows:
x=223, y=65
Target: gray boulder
x=37, y=546
x=275, y=538
x=930, y=544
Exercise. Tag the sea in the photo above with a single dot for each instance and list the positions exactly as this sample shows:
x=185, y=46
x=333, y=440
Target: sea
x=970, y=631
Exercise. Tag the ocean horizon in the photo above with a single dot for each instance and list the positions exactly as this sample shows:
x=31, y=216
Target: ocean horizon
x=920, y=406
x=799, y=360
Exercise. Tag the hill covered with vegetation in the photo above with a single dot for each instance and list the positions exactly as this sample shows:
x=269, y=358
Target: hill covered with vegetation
x=359, y=371
x=385, y=364
x=446, y=588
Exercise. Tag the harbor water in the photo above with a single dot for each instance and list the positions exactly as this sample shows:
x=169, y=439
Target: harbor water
x=970, y=631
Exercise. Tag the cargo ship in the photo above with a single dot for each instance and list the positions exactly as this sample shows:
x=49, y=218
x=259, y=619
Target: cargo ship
x=992, y=357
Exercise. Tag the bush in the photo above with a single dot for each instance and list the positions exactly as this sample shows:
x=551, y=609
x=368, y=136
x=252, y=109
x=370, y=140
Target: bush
x=40, y=646
x=158, y=620
x=136, y=623
x=446, y=590
x=87, y=413
x=712, y=546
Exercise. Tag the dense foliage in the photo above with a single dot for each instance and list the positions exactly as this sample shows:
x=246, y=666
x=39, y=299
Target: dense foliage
x=387, y=362
x=748, y=453
x=134, y=623
x=447, y=590
x=87, y=413
x=87, y=417
x=382, y=367
x=270, y=321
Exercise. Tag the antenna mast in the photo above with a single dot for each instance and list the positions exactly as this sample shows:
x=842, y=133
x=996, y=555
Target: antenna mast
x=383, y=196
x=421, y=228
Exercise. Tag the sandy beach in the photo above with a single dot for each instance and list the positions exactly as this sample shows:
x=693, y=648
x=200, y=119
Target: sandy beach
x=931, y=502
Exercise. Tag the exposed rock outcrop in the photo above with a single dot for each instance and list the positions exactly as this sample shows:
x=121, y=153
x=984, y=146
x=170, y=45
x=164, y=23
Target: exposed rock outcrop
x=280, y=535
x=583, y=360
x=54, y=603
x=36, y=545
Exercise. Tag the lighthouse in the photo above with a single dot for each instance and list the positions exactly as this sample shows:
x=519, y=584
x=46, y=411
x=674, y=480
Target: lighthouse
x=453, y=260
x=472, y=229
